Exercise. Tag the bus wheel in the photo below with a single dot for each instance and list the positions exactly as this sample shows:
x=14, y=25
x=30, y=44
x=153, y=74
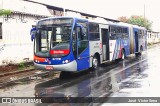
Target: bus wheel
x=64, y=75
x=123, y=55
x=136, y=54
x=95, y=62
x=140, y=53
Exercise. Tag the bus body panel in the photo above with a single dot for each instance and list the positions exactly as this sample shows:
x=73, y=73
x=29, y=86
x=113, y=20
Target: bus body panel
x=54, y=61
x=68, y=63
x=139, y=38
x=126, y=45
x=83, y=60
x=94, y=47
x=71, y=67
x=136, y=40
x=113, y=49
x=118, y=43
x=116, y=49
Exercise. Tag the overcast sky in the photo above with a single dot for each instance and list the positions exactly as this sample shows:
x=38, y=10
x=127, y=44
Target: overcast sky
x=114, y=8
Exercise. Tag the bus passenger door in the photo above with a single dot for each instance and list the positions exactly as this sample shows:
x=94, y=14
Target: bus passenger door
x=105, y=44
x=136, y=41
x=82, y=42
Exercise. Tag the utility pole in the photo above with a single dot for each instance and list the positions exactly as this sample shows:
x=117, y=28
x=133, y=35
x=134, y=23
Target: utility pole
x=1, y=4
x=144, y=11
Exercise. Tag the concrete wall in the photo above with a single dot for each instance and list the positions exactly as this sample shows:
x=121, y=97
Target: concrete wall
x=16, y=45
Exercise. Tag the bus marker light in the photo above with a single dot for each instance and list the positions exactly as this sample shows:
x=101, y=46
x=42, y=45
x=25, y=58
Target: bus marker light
x=39, y=59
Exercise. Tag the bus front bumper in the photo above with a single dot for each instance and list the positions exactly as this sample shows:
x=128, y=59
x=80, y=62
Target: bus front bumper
x=71, y=66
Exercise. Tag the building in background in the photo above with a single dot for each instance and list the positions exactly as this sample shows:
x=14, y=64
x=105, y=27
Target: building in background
x=15, y=40
x=153, y=37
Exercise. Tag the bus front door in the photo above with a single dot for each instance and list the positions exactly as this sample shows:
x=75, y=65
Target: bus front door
x=82, y=46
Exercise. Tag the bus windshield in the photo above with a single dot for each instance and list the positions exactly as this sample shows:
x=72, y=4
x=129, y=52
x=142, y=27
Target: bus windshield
x=53, y=38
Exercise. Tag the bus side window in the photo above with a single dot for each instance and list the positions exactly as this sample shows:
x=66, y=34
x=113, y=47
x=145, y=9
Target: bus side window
x=113, y=36
x=80, y=37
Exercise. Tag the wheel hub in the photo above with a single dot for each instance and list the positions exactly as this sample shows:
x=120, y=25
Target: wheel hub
x=95, y=62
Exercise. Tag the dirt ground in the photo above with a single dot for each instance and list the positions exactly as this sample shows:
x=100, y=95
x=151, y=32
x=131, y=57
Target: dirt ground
x=15, y=67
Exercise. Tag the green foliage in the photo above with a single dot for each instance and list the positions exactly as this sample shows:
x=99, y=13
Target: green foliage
x=21, y=65
x=137, y=20
x=5, y=12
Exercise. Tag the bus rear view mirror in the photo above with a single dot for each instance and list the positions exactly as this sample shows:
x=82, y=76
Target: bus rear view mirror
x=32, y=33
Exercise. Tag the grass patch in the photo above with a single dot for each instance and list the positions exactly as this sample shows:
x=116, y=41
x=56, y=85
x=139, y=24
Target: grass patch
x=21, y=66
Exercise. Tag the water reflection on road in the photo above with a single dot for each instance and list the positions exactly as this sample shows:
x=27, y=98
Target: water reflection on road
x=103, y=82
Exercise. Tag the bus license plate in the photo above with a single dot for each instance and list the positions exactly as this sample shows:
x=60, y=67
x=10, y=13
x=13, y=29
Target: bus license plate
x=49, y=67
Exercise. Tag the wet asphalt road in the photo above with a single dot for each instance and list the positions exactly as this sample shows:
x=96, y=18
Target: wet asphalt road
x=134, y=77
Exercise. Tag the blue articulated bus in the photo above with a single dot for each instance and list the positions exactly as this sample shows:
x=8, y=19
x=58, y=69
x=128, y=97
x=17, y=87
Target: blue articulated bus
x=74, y=44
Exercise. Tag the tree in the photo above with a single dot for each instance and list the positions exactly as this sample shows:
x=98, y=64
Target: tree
x=123, y=19
x=5, y=12
x=137, y=20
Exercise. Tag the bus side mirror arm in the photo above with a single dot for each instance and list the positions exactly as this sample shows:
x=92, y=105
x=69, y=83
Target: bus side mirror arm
x=32, y=33
x=32, y=37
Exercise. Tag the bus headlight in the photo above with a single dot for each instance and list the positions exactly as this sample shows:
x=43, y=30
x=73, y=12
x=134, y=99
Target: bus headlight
x=65, y=61
x=37, y=61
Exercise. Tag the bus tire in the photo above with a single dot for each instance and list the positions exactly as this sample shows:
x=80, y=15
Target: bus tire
x=123, y=54
x=95, y=62
x=64, y=75
x=141, y=50
x=137, y=54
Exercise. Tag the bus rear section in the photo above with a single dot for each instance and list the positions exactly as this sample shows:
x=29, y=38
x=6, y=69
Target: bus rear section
x=138, y=40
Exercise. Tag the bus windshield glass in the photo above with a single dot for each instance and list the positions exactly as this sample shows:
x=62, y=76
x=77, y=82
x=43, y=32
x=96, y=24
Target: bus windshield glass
x=53, y=37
